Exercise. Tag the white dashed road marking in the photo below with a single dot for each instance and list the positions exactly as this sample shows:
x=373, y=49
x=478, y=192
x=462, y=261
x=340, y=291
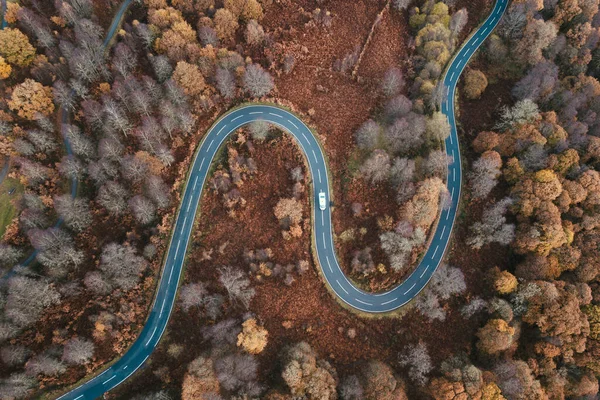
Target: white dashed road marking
x=435, y=251
x=255, y=112
x=411, y=288
x=295, y=126
x=424, y=271
x=277, y=115
x=109, y=379
x=319, y=172
x=389, y=301
x=238, y=117
x=340, y=285
x=151, y=336
x=364, y=302
x=329, y=264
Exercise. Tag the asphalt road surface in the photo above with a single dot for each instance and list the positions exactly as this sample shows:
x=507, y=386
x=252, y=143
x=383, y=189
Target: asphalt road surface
x=156, y=324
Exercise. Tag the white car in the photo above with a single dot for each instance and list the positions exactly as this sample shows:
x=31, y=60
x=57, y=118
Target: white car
x=322, y=200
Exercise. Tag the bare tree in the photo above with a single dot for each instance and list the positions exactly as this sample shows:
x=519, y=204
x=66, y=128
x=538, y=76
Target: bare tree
x=225, y=83
x=524, y=111
x=401, y=4
x=22, y=307
x=110, y=148
x=81, y=145
x=44, y=365
x=34, y=172
x=42, y=140
x=63, y=96
x=416, y=359
x=485, y=173
x=393, y=82
x=208, y=36
x=399, y=245
x=377, y=167
x=259, y=129
x=539, y=84
x=134, y=168
x=71, y=167
x=401, y=138
x=115, y=117
x=93, y=113
x=193, y=295
x=95, y=281
x=14, y=355
x=493, y=227
x=157, y=190
x=75, y=212
x=78, y=351
x=222, y=335
x=238, y=373
x=145, y=34
x=22, y=147
x=447, y=281
x=351, y=389
x=124, y=60
x=459, y=21
x=436, y=164
x=9, y=255
x=143, y=209
x=121, y=265
x=112, y=196
x=56, y=251
x=367, y=135
x=397, y=107
x=257, y=81
x=17, y=385
x=237, y=285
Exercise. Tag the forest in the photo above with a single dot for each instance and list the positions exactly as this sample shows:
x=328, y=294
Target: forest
x=104, y=103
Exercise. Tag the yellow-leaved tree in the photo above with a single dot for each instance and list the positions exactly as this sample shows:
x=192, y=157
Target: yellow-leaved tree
x=31, y=97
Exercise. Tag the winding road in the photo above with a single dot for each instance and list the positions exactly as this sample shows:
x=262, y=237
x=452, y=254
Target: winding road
x=166, y=293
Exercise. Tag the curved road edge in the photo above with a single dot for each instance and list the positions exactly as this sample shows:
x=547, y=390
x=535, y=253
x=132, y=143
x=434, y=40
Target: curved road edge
x=170, y=276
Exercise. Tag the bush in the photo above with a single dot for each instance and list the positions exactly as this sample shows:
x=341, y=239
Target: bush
x=475, y=83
